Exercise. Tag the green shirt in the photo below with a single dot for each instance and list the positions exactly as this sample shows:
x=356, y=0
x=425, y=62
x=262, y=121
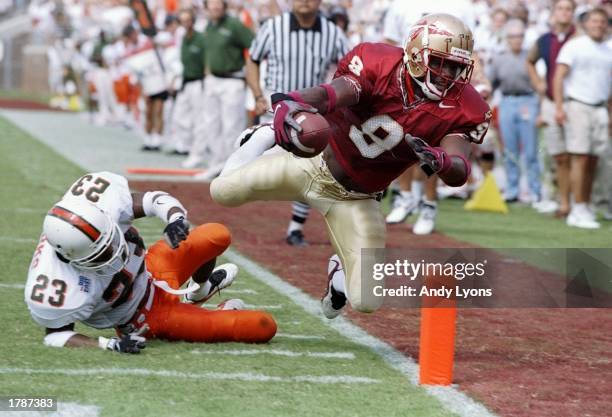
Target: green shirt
x=225, y=44
x=192, y=56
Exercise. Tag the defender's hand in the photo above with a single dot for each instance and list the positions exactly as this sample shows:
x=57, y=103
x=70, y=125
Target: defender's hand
x=285, y=107
x=176, y=231
x=128, y=343
x=432, y=159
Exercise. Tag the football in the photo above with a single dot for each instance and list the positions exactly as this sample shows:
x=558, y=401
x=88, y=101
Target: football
x=314, y=136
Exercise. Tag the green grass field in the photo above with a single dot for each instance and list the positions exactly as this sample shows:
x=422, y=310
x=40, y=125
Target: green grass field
x=169, y=379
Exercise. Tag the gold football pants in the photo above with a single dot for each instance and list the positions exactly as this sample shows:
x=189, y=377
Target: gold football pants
x=354, y=220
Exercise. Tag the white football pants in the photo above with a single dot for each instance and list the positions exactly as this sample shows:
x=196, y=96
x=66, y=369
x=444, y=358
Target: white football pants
x=223, y=118
x=187, y=116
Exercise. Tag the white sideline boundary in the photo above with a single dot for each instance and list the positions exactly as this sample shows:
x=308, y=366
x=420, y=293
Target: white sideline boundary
x=236, y=376
x=451, y=398
x=277, y=352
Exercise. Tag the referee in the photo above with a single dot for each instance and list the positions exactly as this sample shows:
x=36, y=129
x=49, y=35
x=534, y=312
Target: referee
x=299, y=48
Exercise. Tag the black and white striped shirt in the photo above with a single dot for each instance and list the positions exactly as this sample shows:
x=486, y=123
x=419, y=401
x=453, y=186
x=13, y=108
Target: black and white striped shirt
x=297, y=58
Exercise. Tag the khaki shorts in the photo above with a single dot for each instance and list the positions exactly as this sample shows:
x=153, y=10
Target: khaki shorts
x=586, y=129
x=553, y=134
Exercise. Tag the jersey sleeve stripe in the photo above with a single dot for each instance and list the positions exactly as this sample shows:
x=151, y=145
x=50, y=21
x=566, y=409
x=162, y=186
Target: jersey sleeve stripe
x=77, y=221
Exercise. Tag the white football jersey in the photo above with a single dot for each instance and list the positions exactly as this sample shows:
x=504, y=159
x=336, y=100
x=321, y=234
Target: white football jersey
x=58, y=294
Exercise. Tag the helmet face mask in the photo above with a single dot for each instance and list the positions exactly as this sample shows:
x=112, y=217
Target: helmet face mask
x=86, y=237
x=437, y=55
x=110, y=257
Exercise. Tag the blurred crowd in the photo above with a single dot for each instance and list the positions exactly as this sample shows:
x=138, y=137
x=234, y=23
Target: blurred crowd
x=179, y=76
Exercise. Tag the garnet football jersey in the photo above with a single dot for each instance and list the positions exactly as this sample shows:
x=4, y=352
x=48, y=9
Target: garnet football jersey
x=369, y=137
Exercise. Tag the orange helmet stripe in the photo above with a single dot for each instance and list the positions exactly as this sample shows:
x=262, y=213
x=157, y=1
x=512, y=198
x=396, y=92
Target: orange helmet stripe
x=77, y=221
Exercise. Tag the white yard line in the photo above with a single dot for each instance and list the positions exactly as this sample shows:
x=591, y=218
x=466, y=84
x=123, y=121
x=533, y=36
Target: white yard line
x=299, y=336
x=452, y=399
x=24, y=210
x=276, y=352
x=238, y=291
x=237, y=376
x=15, y=286
x=249, y=306
x=12, y=239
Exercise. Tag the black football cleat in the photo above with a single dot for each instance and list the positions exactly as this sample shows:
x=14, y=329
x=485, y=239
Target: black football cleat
x=296, y=238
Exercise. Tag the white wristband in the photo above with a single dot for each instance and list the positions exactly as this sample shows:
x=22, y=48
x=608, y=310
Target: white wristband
x=58, y=339
x=103, y=343
x=160, y=203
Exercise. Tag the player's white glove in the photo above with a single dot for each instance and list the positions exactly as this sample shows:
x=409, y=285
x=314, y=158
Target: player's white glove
x=127, y=343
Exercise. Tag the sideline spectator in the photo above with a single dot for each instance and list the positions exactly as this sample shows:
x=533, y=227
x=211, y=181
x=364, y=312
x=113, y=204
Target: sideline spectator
x=224, y=117
x=547, y=48
x=187, y=120
x=518, y=111
x=582, y=90
x=318, y=44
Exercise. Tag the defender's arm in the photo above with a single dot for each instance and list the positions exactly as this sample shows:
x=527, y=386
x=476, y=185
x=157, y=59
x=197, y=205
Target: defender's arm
x=67, y=337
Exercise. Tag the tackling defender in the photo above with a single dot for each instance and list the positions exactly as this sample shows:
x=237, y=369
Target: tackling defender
x=389, y=109
x=91, y=266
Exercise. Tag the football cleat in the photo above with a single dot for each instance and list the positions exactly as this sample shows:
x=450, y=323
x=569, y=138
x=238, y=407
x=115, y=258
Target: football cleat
x=232, y=304
x=426, y=222
x=333, y=301
x=222, y=277
x=296, y=238
x=402, y=208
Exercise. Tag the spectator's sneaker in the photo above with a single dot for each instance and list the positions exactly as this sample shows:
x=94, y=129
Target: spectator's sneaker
x=402, y=208
x=545, y=206
x=333, y=301
x=426, y=222
x=222, y=277
x=191, y=162
x=231, y=304
x=296, y=238
x=176, y=152
x=582, y=218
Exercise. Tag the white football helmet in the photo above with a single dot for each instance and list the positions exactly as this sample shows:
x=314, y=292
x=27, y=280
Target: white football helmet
x=86, y=236
x=438, y=55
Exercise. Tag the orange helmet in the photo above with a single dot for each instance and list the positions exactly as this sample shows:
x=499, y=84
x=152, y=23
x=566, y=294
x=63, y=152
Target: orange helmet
x=438, y=54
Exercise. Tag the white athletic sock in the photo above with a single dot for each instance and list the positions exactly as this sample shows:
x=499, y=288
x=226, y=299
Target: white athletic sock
x=261, y=141
x=417, y=190
x=293, y=225
x=406, y=195
x=203, y=291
